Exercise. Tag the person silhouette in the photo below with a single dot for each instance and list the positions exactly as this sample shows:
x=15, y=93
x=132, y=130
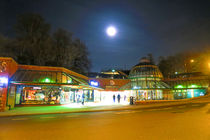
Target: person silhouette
x=118, y=98
x=113, y=98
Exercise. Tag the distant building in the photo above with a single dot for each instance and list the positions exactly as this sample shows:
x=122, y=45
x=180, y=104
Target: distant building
x=188, y=85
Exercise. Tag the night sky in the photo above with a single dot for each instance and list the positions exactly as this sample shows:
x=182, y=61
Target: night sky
x=160, y=27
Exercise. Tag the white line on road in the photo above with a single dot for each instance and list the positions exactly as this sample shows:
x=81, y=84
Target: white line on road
x=20, y=119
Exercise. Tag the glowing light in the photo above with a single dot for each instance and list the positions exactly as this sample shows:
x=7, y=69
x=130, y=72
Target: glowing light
x=94, y=83
x=179, y=86
x=73, y=105
x=113, y=70
x=135, y=87
x=69, y=81
x=111, y=31
x=192, y=60
x=194, y=86
x=201, y=94
x=3, y=80
x=47, y=80
x=192, y=93
x=37, y=88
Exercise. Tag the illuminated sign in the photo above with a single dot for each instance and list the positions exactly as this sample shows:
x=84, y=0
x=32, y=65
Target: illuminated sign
x=94, y=83
x=3, y=81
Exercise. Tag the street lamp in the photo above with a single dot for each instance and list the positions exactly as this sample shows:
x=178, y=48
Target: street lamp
x=192, y=65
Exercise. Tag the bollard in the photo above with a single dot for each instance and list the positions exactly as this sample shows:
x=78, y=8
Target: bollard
x=131, y=100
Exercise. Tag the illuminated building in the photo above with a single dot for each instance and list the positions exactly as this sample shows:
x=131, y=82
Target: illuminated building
x=111, y=81
x=110, y=87
x=26, y=84
x=188, y=85
x=146, y=82
x=31, y=85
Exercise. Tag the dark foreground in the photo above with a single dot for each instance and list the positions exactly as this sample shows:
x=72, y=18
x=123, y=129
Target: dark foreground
x=184, y=122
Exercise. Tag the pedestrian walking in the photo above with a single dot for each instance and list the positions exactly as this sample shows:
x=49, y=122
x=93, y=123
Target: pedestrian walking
x=118, y=98
x=83, y=99
x=114, y=98
x=124, y=97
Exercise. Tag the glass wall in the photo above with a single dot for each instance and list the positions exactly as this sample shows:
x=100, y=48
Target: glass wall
x=33, y=76
x=51, y=95
x=149, y=95
x=188, y=93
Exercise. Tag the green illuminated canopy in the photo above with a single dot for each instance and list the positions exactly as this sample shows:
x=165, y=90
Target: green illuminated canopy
x=35, y=76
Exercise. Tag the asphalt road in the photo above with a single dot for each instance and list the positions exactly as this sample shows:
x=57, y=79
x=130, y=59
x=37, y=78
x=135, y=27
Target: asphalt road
x=183, y=122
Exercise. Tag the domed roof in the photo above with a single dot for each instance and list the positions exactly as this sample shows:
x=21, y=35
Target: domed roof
x=145, y=69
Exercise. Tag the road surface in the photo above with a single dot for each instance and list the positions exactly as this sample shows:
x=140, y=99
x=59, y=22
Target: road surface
x=183, y=122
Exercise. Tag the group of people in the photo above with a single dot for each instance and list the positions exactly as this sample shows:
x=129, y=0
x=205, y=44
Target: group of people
x=118, y=98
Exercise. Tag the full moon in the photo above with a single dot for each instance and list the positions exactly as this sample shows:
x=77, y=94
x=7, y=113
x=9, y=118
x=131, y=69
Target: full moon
x=111, y=31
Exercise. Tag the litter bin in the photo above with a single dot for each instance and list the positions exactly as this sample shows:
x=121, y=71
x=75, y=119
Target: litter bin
x=131, y=100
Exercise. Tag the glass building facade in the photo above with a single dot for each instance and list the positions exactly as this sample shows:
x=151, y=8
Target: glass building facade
x=188, y=85
x=49, y=87
x=146, y=82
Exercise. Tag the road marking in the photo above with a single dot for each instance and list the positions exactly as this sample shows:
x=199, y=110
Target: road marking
x=181, y=106
x=47, y=117
x=20, y=119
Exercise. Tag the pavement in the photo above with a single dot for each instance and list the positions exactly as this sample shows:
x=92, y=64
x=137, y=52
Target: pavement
x=190, y=121
x=98, y=107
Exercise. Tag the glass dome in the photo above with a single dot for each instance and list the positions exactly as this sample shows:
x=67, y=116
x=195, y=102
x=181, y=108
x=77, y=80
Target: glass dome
x=146, y=75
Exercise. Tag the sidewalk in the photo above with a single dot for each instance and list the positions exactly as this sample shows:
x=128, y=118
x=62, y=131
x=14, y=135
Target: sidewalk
x=70, y=108
x=96, y=107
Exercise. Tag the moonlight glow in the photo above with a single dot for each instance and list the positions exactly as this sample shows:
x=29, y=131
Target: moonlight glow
x=111, y=31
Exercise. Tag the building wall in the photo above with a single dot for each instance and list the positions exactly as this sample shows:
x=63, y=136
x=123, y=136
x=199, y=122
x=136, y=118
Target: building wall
x=7, y=68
